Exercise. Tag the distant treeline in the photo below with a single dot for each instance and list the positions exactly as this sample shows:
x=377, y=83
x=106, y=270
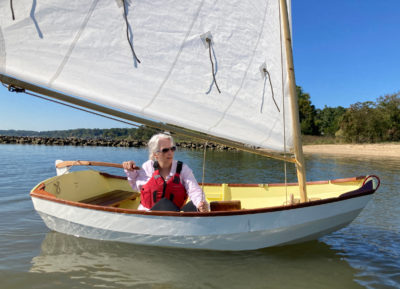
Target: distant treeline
x=141, y=133
x=362, y=122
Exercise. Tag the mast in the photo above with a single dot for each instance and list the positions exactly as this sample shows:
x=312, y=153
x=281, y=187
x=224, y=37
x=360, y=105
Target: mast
x=298, y=148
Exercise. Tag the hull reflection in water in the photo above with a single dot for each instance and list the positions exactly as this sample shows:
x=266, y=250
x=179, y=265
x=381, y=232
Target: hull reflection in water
x=117, y=264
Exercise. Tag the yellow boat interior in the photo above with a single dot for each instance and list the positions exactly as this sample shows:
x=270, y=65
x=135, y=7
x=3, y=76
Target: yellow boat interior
x=101, y=189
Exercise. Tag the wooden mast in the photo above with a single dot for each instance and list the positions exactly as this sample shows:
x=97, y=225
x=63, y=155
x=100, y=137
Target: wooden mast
x=298, y=148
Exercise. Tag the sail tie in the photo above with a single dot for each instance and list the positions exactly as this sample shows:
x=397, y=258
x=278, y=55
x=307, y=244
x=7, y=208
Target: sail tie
x=12, y=10
x=127, y=31
x=208, y=40
x=267, y=75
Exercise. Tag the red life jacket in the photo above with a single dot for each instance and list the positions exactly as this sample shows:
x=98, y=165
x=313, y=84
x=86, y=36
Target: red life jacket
x=157, y=188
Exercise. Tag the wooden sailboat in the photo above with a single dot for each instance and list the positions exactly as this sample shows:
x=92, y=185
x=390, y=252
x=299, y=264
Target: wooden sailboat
x=220, y=72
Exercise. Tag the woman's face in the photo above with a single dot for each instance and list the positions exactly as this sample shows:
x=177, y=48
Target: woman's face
x=164, y=159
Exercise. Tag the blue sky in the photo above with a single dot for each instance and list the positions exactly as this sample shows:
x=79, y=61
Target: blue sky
x=345, y=51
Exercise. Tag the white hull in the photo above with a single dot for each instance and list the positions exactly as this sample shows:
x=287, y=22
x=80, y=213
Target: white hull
x=226, y=232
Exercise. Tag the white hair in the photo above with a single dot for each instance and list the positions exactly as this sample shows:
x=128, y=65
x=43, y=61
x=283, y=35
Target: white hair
x=154, y=145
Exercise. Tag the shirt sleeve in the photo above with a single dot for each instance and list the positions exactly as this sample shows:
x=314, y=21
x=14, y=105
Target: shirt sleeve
x=193, y=189
x=139, y=178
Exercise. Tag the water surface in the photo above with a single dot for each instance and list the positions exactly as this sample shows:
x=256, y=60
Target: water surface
x=366, y=254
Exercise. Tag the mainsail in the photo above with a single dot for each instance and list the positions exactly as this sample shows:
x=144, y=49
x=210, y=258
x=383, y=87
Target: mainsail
x=85, y=49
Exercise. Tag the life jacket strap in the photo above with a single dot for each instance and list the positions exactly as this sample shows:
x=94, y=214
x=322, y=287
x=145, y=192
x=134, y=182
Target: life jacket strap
x=179, y=167
x=178, y=172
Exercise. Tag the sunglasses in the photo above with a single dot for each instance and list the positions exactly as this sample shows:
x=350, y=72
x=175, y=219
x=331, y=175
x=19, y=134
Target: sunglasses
x=165, y=150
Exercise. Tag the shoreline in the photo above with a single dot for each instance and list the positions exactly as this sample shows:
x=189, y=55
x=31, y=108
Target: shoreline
x=384, y=150
x=74, y=141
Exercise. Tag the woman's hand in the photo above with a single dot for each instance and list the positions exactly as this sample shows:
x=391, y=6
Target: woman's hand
x=203, y=207
x=129, y=165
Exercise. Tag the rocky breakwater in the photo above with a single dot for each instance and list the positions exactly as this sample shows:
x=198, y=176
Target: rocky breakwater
x=73, y=141
x=210, y=146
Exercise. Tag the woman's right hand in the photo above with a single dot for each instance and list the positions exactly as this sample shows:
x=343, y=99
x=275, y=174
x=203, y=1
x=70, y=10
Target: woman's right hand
x=129, y=165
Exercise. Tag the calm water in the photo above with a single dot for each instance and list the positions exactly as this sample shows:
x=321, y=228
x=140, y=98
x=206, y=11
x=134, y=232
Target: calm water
x=366, y=254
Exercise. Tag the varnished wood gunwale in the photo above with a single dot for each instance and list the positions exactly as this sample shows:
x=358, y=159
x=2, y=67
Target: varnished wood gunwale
x=39, y=192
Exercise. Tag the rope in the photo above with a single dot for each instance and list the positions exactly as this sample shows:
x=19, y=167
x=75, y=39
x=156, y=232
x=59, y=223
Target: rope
x=208, y=40
x=272, y=90
x=127, y=31
x=12, y=9
x=204, y=169
x=19, y=90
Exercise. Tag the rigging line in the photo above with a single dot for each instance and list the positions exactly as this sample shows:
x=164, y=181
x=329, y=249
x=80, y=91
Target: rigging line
x=14, y=89
x=12, y=10
x=283, y=104
x=208, y=40
x=82, y=109
x=204, y=169
x=272, y=90
x=127, y=31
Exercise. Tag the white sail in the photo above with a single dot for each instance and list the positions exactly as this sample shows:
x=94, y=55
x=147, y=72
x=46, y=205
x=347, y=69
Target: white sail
x=81, y=48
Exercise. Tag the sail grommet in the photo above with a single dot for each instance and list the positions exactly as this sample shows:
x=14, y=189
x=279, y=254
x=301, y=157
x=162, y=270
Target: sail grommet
x=263, y=70
x=207, y=39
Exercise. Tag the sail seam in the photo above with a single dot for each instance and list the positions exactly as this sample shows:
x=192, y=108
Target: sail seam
x=73, y=43
x=175, y=60
x=2, y=52
x=245, y=74
x=282, y=93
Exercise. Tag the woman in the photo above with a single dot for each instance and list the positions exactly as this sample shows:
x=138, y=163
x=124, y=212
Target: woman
x=163, y=180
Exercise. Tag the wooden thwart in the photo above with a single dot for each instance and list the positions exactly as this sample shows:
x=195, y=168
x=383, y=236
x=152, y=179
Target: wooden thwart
x=112, y=199
x=225, y=205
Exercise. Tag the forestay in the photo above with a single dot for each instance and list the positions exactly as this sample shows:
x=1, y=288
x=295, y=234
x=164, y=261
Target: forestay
x=81, y=48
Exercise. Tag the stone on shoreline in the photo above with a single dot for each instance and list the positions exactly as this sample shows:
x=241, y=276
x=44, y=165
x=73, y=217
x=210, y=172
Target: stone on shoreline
x=73, y=141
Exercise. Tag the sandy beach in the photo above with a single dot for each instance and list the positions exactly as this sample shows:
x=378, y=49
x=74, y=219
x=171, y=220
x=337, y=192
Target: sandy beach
x=385, y=150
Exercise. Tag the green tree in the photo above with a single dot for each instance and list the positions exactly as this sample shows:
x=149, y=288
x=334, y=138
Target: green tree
x=362, y=122
x=144, y=133
x=389, y=107
x=328, y=119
